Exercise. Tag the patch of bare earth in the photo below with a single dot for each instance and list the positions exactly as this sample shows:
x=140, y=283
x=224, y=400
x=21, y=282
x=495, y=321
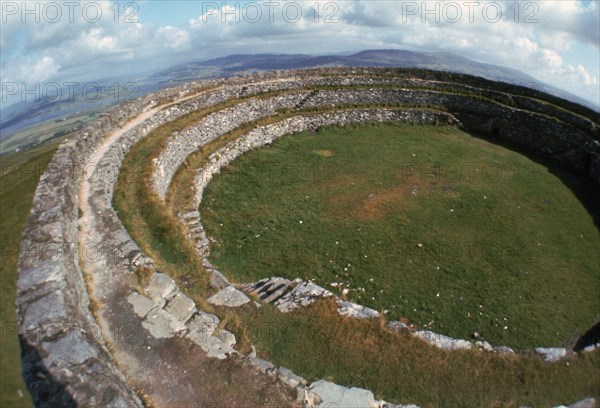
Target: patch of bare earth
x=374, y=203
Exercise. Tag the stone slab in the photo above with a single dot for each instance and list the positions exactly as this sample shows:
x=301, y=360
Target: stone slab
x=229, y=297
x=203, y=322
x=333, y=395
x=161, y=288
x=141, y=304
x=227, y=337
x=162, y=324
x=397, y=326
x=302, y=295
x=350, y=309
x=262, y=365
x=288, y=377
x=181, y=306
x=218, y=280
x=443, y=342
x=212, y=346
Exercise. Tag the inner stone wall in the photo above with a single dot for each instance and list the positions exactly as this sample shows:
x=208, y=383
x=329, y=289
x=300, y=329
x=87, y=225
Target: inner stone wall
x=577, y=147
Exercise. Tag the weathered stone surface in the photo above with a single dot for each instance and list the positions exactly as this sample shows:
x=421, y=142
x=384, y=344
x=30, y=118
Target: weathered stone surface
x=181, y=306
x=551, y=354
x=350, y=309
x=333, y=395
x=141, y=304
x=227, y=337
x=162, y=324
x=504, y=350
x=484, y=345
x=212, y=346
x=302, y=295
x=443, y=342
x=263, y=365
x=161, y=288
x=40, y=274
x=396, y=326
x=47, y=310
x=288, y=377
x=218, y=280
x=203, y=322
x=230, y=297
x=70, y=349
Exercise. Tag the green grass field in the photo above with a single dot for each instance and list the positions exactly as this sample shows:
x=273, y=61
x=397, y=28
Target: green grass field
x=427, y=223
x=19, y=178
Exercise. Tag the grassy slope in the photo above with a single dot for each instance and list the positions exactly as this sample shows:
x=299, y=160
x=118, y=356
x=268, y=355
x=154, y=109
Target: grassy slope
x=318, y=343
x=20, y=174
x=480, y=247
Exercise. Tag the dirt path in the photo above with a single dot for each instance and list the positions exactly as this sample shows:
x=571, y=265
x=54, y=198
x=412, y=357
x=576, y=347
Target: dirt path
x=84, y=187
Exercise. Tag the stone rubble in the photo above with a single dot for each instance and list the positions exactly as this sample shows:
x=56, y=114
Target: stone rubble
x=302, y=295
x=443, y=342
x=551, y=354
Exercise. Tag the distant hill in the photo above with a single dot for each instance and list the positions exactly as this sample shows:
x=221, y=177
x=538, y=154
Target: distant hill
x=24, y=115
x=442, y=61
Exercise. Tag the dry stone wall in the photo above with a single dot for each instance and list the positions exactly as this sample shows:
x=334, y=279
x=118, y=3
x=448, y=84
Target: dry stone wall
x=66, y=359
x=578, y=149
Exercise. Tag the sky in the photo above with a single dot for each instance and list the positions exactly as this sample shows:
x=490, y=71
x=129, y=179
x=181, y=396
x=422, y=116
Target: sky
x=66, y=42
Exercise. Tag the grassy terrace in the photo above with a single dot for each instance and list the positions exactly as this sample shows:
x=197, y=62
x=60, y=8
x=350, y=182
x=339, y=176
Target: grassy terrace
x=316, y=342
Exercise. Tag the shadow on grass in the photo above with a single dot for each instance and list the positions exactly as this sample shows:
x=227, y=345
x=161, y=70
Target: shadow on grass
x=586, y=190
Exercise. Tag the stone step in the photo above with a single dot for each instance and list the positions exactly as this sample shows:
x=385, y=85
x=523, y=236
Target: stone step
x=190, y=214
x=302, y=295
x=269, y=290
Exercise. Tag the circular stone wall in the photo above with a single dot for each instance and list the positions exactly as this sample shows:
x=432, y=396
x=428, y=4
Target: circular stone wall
x=81, y=353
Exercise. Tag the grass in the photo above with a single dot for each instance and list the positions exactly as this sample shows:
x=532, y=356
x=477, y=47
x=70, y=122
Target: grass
x=317, y=343
x=20, y=175
x=427, y=223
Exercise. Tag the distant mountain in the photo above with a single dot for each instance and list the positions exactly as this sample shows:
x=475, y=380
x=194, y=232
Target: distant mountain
x=23, y=115
x=442, y=61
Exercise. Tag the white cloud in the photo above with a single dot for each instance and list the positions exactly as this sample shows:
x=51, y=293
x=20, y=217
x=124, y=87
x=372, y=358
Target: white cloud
x=173, y=37
x=544, y=49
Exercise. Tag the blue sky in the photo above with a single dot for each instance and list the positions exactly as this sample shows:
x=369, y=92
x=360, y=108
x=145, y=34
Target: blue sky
x=554, y=41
